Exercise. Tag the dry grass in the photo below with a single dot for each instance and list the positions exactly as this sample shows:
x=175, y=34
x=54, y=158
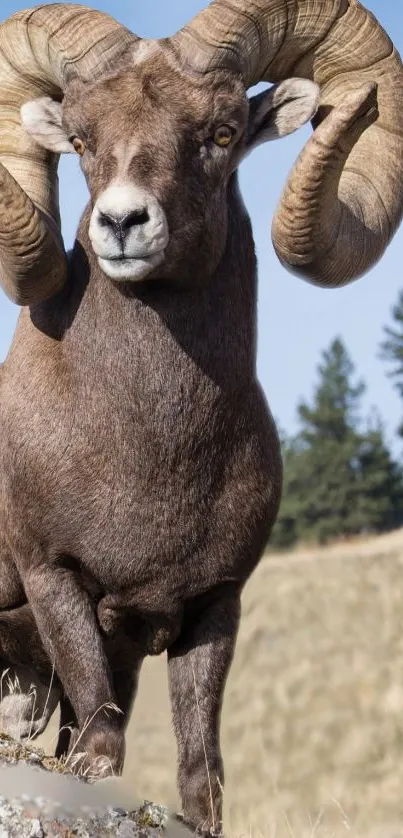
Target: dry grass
x=313, y=716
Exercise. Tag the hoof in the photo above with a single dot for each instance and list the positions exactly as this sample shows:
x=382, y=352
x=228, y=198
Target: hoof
x=99, y=755
x=204, y=829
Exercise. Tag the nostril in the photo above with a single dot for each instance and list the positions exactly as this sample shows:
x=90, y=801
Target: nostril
x=106, y=220
x=122, y=226
x=134, y=219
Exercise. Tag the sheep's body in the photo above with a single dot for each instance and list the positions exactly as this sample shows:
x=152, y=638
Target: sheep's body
x=139, y=442
x=138, y=448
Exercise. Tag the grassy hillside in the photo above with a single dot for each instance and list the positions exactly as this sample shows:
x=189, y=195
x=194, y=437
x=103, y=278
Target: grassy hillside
x=313, y=717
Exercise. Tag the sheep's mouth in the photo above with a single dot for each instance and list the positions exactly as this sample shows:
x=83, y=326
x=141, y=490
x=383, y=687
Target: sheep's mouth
x=127, y=268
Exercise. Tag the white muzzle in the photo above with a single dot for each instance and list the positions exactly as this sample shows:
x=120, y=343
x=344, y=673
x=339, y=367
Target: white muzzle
x=128, y=232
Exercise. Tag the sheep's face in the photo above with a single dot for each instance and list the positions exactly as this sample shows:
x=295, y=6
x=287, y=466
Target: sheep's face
x=158, y=147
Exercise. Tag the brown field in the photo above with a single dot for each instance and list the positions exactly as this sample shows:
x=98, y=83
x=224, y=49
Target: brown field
x=313, y=718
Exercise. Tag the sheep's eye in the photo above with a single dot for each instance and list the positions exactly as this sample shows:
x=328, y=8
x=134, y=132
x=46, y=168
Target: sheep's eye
x=78, y=146
x=224, y=135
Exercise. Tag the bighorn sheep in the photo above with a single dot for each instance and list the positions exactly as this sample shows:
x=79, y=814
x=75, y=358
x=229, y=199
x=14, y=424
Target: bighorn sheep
x=140, y=470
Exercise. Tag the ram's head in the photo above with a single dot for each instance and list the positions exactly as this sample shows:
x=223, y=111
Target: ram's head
x=158, y=148
x=161, y=127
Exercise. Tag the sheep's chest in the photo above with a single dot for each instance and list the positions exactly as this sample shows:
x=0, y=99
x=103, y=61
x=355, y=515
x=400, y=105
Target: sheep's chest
x=159, y=512
x=160, y=488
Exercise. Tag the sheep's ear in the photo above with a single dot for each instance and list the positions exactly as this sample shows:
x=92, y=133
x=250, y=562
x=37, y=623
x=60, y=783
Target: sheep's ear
x=281, y=110
x=42, y=119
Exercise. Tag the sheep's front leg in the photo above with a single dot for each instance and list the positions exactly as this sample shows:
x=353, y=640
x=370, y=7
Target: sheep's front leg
x=68, y=628
x=199, y=662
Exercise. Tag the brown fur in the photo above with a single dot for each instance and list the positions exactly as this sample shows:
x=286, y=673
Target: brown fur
x=140, y=469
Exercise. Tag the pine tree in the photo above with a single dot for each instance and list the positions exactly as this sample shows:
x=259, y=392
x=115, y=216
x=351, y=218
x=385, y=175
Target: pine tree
x=285, y=532
x=392, y=348
x=380, y=503
x=339, y=480
x=336, y=405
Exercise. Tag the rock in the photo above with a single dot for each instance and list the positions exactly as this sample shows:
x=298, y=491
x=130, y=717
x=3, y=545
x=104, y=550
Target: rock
x=36, y=829
x=127, y=830
x=41, y=798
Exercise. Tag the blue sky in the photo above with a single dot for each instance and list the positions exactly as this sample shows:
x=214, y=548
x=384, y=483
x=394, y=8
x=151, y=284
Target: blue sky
x=296, y=320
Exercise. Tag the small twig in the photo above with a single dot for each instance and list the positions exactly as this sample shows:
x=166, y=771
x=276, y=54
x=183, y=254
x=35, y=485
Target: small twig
x=204, y=747
x=315, y=826
x=4, y=675
x=288, y=825
x=50, y=688
x=346, y=819
x=32, y=692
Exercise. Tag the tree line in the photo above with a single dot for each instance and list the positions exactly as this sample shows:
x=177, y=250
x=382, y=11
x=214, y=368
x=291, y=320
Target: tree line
x=340, y=477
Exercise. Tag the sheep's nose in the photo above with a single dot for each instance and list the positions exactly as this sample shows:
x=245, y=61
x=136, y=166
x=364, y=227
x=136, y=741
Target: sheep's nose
x=121, y=226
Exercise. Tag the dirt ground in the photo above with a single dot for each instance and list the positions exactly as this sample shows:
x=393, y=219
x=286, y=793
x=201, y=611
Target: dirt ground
x=312, y=724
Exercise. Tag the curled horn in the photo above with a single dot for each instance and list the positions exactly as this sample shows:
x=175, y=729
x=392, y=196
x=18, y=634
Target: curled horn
x=344, y=198
x=41, y=49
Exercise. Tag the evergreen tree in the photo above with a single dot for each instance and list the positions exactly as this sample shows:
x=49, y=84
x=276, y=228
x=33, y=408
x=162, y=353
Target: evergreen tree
x=336, y=407
x=338, y=480
x=380, y=504
x=285, y=532
x=392, y=346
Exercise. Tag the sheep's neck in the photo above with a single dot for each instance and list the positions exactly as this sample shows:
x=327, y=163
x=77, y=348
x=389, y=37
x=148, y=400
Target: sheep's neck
x=169, y=336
